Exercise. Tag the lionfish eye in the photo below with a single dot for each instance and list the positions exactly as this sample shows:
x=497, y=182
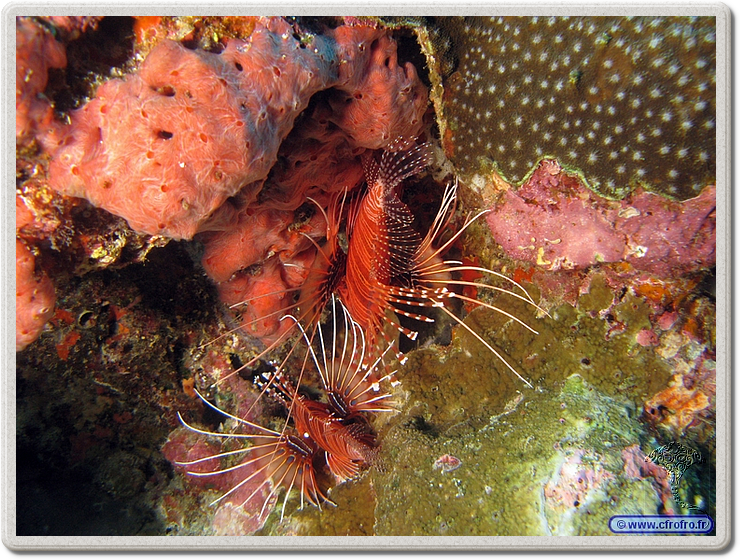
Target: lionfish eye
x=338, y=404
x=299, y=446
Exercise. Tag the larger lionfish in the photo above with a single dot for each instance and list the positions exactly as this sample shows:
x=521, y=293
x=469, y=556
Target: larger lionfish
x=392, y=268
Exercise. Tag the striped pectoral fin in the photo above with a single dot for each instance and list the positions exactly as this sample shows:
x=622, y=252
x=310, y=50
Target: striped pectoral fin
x=290, y=468
x=413, y=303
x=309, y=486
x=419, y=296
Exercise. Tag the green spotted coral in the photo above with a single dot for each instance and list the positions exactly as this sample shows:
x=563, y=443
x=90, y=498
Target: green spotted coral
x=625, y=101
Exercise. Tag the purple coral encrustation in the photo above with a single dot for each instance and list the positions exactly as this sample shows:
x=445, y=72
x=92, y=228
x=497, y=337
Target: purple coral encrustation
x=554, y=221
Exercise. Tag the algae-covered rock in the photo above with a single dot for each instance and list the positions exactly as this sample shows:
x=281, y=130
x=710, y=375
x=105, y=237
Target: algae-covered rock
x=550, y=464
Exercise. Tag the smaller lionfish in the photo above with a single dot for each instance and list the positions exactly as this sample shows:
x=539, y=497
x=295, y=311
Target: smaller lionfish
x=334, y=435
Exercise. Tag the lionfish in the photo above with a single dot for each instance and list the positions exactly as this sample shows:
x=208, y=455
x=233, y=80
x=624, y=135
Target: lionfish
x=391, y=268
x=334, y=435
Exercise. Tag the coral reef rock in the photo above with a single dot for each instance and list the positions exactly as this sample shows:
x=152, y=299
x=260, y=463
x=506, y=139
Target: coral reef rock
x=623, y=100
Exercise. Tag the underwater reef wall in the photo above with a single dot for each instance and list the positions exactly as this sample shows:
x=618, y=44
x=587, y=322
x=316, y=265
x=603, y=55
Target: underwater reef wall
x=171, y=167
x=185, y=143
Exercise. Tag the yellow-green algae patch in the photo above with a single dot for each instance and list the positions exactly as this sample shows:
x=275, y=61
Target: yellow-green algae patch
x=465, y=382
x=507, y=465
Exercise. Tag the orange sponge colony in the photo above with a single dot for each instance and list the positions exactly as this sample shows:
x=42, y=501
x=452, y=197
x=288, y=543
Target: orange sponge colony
x=166, y=147
x=34, y=298
x=284, y=255
x=36, y=51
x=395, y=111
